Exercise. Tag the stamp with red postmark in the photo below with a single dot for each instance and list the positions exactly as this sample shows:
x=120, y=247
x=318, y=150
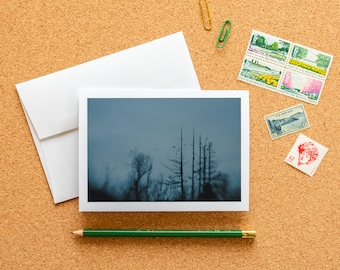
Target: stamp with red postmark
x=306, y=155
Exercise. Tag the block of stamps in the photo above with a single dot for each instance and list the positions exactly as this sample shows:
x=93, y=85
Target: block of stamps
x=306, y=155
x=284, y=67
x=287, y=121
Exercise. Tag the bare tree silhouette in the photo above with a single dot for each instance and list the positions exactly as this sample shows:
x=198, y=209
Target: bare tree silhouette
x=211, y=161
x=141, y=167
x=177, y=168
x=200, y=186
x=205, y=148
x=201, y=180
x=193, y=167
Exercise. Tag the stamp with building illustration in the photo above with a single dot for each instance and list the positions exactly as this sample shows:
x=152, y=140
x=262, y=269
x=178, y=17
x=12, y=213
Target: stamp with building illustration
x=287, y=121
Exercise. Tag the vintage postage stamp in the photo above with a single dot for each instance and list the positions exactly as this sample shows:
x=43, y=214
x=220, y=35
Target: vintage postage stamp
x=306, y=155
x=261, y=73
x=287, y=121
x=307, y=59
x=301, y=86
x=284, y=67
x=268, y=46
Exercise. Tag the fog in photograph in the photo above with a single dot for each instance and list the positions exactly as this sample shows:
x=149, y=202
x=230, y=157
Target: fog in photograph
x=164, y=149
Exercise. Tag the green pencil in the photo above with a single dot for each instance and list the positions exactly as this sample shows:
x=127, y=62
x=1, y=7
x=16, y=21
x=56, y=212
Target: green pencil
x=164, y=233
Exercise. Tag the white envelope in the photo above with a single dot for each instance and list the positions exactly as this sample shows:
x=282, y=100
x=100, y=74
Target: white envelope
x=50, y=102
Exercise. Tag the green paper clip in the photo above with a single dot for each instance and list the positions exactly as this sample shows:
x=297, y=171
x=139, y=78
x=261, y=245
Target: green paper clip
x=220, y=42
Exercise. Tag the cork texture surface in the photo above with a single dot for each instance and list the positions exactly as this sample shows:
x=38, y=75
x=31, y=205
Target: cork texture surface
x=296, y=216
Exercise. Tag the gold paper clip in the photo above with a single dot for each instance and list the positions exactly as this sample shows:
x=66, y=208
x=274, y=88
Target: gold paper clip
x=205, y=10
x=222, y=38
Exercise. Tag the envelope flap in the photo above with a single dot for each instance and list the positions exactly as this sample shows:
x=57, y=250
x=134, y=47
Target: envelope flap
x=51, y=101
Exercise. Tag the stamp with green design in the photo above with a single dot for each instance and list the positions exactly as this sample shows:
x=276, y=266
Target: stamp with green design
x=268, y=46
x=310, y=60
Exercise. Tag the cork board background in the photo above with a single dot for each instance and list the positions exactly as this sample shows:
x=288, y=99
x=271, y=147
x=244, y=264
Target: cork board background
x=296, y=216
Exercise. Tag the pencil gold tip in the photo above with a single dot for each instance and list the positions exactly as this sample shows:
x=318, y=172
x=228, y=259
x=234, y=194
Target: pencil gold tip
x=248, y=234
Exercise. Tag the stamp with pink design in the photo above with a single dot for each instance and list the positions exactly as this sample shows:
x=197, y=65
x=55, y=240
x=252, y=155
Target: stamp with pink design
x=306, y=155
x=301, y=86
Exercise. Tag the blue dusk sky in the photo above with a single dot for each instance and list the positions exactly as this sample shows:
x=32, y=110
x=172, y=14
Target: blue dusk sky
x=153, y=126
